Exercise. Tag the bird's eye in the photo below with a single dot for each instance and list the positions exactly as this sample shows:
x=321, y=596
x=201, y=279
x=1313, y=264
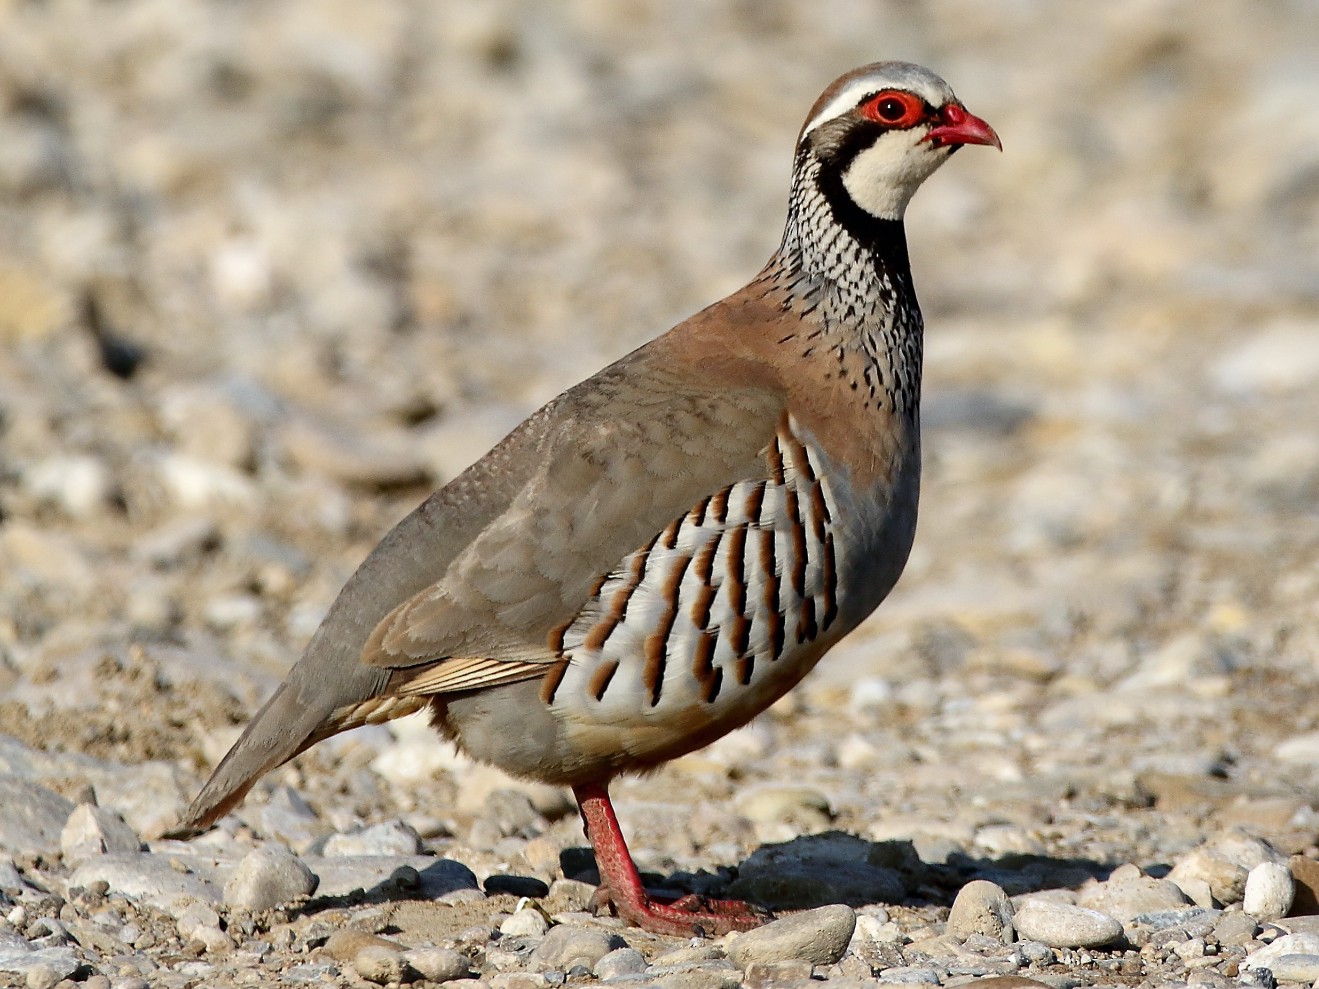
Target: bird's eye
x=894, y=109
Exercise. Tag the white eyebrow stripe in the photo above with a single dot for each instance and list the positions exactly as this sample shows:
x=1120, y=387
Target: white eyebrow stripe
x=846, y=100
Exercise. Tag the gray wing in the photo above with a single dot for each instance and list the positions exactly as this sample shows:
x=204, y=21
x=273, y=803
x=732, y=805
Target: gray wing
x=491, y=565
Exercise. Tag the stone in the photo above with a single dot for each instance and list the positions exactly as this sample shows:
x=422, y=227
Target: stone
x=1226, y=879
x=149, y=878
x=981, y=907
x=91, y=831
x=268, y=877
x=386, y=838
x=1061, y=925
x=1235, y=928
x=41, y=966
x=1295, y=968
x=1305, y=877
x=819, y=936
x=379, y=964
x=813, y=871
x=525, y=923
x=620, y=961
x=778, y=975
x=288, y=818
x=1131, y=896
x=78, y=484
x=33, y=818
x=344, y=944
x=791, y=802
x=1269, y=891
x=344, y=453
x=566, y=943
x=437, y=964
x=436, y=877
x=1288, y=944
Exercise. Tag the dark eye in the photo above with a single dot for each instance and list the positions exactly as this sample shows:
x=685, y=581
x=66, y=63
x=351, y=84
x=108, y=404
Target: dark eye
x=890, y=109
x=894, y=108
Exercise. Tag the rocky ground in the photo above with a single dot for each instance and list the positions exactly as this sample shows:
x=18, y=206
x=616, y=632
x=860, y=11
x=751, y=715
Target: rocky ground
x=268, y=273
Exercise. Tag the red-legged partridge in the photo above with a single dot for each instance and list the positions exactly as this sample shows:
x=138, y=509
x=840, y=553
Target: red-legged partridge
x=661, y=552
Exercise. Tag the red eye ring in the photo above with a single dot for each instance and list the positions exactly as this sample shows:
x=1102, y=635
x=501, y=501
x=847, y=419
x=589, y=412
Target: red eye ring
x=894, y=108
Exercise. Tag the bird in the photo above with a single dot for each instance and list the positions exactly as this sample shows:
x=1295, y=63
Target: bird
x=665, y=549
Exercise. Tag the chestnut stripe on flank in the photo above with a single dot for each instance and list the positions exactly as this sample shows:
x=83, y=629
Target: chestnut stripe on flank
x=830, y=591
x=769, y=568
x=797, y=533
x=550, y=685
x=755, y=501
x=703, y=656
x=599, y=681
x=719, y=506
x=657, y=643
x=601, y=631
x=697, y=514
x=796, y=452
x=705, y=593
x=669, y=537
x=739, y=636
x=819, y=512
x=710, y=688
x=806, y=628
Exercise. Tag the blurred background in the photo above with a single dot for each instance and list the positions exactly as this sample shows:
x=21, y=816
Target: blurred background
x=271, y=271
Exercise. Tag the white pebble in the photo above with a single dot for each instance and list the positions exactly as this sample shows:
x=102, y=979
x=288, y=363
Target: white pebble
x=981, y=907
x=1269, y=891
x=1060, y=925
x=525, y=923
x=268, y=877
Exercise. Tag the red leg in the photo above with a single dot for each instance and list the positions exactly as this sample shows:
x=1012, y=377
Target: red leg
x=620, y=883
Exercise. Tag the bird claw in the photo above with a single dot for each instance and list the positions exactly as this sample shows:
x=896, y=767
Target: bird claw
x=684, y=916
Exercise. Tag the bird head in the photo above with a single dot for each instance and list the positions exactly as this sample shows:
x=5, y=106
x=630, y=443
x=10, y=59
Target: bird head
x=880, y=131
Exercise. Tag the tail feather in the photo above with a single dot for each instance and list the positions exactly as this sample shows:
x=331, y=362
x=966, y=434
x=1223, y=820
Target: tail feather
x=285, y=727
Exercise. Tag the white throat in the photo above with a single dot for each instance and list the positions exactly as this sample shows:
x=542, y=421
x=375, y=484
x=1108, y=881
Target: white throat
x=883, y=178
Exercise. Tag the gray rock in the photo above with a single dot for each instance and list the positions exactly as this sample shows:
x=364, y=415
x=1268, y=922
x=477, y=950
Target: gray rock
x=1226, y=879
x=288, y=818
x=340, y=875
x=1269, y=891
x=792, y=802
x=437, y=964
x=386, y=838
x=525, y=923
x=707, y=976
x=982, y=907
x=1295, y=968
x=909, y=975
x=815, y=870
x=778, y=975
x=567, y=943
x=1288, y=944
x=379, y=964
x=819, y=936
x=35, y=966
x=1126, y=898
x=149, y=878
x=33, y=817
x=1062, y=925
x=92, y=831
x=620, y=961
x=268, y=877
x=11, y=880
x=1235, y=928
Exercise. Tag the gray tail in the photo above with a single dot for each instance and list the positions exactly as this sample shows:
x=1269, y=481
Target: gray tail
x=281, y=730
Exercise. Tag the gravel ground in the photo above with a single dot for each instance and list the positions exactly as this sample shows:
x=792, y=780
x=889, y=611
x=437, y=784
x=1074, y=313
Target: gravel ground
x=270, y=272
